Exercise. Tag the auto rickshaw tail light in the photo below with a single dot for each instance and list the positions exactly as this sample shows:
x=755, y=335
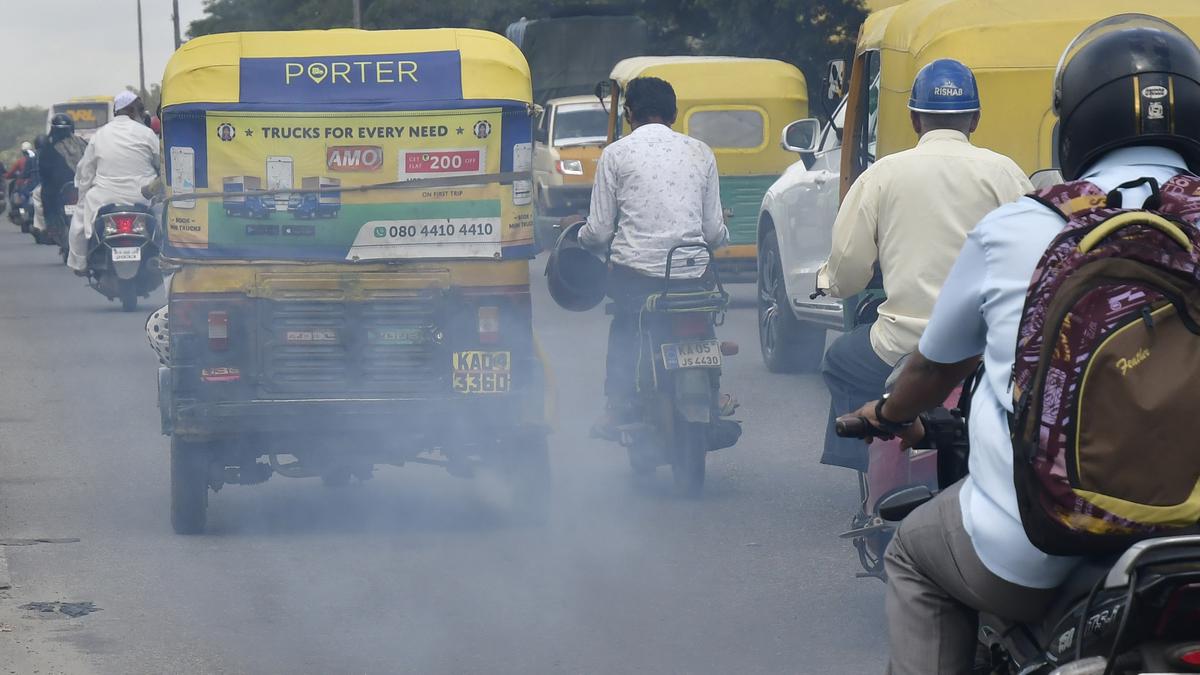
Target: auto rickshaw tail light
x=218, y=331
x=489, y=325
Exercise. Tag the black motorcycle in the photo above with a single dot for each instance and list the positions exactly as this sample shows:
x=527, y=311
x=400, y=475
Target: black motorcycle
x=680, y=414
x=1138, y=612
x=122, y=261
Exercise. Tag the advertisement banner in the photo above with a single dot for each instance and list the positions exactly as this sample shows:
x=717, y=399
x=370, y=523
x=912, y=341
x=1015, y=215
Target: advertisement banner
x=323, y=186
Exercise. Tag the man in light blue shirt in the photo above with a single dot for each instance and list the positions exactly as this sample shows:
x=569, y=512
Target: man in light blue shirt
x=966, y=551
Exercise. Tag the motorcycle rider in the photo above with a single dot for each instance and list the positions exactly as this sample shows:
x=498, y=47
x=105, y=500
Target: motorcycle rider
x=966, y=551
x=655, y=189
x=121, y=158
x=24, y=160
x=57, y=165
x=909, y=212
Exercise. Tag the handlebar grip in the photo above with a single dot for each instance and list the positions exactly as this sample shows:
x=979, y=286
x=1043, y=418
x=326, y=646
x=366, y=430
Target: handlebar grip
x=853, y=427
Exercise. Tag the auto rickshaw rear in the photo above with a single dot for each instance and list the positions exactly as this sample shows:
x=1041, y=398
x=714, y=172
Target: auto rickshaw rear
x=388, y=323
x=739, y=107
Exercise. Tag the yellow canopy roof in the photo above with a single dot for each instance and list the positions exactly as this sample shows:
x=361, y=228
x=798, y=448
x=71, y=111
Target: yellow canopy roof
x=1011, y=33
x=210, y=69
x=718, y=77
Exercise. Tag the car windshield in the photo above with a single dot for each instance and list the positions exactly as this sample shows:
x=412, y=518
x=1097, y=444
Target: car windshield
x=85, y=115
x=580, y=124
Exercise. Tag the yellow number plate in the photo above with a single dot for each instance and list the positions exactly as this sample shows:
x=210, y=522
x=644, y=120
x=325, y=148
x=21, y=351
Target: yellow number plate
x=482, y=372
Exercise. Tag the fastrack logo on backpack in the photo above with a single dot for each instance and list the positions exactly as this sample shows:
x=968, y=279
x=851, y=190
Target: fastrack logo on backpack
x=1126, y=365
x=354, y=158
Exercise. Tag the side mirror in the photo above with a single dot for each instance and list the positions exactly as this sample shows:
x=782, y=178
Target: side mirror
x=802, y=136
x=896, y=505
x=603, y=90
x=1046, y=178
x=835, y=80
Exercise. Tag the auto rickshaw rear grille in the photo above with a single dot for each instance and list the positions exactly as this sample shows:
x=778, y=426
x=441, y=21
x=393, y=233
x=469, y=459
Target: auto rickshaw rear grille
x=383, y=347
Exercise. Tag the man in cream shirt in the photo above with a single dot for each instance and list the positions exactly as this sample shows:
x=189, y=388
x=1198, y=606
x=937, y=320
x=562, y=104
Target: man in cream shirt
x=909, y=212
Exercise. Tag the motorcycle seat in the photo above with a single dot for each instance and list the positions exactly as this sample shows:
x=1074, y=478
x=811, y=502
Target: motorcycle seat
x=123, y=208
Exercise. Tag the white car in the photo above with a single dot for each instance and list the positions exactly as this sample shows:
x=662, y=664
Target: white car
x=795, y=232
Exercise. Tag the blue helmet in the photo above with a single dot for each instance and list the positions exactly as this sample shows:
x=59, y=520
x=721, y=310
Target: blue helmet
x=944, y=86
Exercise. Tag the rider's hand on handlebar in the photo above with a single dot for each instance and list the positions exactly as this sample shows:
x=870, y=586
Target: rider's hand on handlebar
x=908, y=437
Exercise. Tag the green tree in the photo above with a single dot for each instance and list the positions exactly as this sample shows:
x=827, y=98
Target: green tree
x=805, y=32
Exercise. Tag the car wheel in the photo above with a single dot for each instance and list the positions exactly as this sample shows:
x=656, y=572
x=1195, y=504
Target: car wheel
x=189, y=485
x=788, y=345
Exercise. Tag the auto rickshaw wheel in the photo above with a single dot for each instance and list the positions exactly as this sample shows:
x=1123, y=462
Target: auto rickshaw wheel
x=528, y=469
x=189, y=485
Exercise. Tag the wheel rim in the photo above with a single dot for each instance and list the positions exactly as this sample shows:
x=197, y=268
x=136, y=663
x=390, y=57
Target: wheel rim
x=768, y=304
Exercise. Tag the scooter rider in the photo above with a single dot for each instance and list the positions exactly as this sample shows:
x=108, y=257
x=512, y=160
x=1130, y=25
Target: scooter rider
x=655, y=189
x=910, y=213
x=121, y=158
x=966, y=551
x=57, y=165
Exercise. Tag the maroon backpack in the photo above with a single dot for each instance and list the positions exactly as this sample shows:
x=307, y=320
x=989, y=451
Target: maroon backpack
x=1106, y=383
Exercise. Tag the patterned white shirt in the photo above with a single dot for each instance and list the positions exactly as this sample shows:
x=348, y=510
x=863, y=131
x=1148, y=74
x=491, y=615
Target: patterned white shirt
x=655, y=189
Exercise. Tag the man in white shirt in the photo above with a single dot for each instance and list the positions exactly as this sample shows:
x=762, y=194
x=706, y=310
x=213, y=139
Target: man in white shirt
x=655, y=189
x=966, y=551
x=910, y=213
x=119, y=161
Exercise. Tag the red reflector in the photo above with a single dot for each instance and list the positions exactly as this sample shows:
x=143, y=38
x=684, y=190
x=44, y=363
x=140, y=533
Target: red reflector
x=691, y=325
x=489, y=325
x=729, y=348
x=124, y=223
x=1191, y=658
x=218, y=331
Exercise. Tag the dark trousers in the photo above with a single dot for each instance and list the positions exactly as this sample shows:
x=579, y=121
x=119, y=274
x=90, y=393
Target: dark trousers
x=854, y=375
x=628, y=290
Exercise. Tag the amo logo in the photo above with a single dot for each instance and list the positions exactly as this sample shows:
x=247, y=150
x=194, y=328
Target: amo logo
x=354, y=158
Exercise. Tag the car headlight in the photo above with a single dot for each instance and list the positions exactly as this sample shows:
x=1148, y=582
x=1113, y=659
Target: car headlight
x=570, y=167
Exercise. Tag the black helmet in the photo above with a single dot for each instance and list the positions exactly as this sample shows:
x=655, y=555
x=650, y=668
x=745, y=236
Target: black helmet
x=61, y=125
x=576, y=278
x=1131, y=79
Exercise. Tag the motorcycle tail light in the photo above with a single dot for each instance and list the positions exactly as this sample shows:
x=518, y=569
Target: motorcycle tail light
x=693, y=324
x=489, y=325
x=218, y=331
x=123, y=223
x=1187, y=655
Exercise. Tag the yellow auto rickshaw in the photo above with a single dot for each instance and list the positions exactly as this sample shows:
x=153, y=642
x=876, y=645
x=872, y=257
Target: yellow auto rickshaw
x=739, y=107
x=350, y=226
x=1013, y=47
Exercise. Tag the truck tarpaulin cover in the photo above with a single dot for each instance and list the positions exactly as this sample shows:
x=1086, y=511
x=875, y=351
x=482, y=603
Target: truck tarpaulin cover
x=354, y=158
x=568, y=56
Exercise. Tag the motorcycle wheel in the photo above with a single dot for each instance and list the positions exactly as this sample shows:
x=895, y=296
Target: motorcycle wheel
x=691, y=452
x=189, y=485
x=129, y=298
x=25, y=226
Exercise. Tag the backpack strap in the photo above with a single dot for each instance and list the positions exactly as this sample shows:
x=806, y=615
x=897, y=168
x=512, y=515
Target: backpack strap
x=1069, y=199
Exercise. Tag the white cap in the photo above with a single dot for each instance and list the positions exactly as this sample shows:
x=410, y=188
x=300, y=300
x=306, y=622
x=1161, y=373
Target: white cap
x=123, y=99
x=26, y=145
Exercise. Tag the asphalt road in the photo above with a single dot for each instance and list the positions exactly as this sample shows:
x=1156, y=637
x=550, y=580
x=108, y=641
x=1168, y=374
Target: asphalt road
x=414, y=571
